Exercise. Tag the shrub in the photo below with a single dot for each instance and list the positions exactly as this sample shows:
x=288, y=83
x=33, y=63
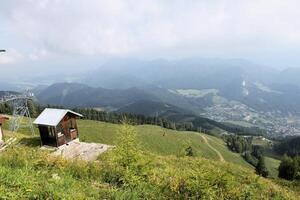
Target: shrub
x=261, y=168
x=288, y=168
x=189, y=151
x=125, y=166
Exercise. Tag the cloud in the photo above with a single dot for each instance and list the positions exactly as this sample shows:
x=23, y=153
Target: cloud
x=118, y=27
x=11, y=56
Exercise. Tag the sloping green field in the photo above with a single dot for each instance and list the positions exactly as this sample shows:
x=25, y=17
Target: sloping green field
x=161, y=141
x=158, y=140
x=26, y=172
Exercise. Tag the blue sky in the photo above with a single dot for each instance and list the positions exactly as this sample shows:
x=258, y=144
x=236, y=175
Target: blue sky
x=52, y=34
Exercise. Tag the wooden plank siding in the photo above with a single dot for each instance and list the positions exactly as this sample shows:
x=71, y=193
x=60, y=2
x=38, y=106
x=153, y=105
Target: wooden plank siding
x=63, y=133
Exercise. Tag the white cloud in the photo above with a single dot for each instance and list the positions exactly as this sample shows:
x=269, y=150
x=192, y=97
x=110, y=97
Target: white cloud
x=11, y=56
x=38, y=54
x=118, y=27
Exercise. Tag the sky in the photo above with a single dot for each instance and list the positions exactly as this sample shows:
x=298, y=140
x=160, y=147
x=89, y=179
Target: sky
x=51, y=35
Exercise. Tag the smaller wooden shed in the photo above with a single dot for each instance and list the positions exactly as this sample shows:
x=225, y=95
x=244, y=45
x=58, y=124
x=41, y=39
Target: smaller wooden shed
x=2, y=120
x=57, y=126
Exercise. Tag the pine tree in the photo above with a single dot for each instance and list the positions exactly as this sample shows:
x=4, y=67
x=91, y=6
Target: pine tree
x=261, y=168
x=287, y=168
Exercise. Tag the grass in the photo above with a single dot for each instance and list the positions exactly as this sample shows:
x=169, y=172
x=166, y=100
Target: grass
x=272, y=166
x=26, y=172
x=228, y=155
x=272, y=159
x=155, y=139
x=160, y=141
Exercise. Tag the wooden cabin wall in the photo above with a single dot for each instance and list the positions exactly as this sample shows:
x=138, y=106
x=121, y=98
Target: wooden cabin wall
x=65, y=125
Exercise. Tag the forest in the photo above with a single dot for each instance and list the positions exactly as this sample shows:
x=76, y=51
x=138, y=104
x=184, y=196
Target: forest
x=253, y=154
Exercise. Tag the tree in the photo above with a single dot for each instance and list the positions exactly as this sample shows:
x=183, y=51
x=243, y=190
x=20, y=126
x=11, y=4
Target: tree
x=288, y=168
x=261, y=168
x=257, y=151
x=250, y=159
x=33, y=108
x=127, y=150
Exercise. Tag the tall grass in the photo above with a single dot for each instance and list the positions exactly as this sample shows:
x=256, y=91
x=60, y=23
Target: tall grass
x=127, y=172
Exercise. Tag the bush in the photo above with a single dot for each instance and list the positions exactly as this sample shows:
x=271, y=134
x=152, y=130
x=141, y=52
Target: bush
x=125, y=166
x=189, y=151
x=261, y=168
x=288, y=168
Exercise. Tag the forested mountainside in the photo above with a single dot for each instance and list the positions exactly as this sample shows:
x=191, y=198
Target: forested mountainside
x=207, y=103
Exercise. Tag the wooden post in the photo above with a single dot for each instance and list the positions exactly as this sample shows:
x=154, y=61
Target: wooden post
x=40, y=136
x=55, y=136
x=1, y=133
x=76, y=128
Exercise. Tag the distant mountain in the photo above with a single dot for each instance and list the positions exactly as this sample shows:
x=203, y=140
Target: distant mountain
x=152, y=108
x=4, y=93
x=289, y=76
x=219, y=89
x=80, y=95
x=258, y=87
x=4, y=86
x=192, y=73
x=276, y=97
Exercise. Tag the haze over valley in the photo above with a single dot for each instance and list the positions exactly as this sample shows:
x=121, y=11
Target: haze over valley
x=150, y=99
x=226, y=90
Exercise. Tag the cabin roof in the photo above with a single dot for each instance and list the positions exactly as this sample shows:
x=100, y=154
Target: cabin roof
x=52, y=117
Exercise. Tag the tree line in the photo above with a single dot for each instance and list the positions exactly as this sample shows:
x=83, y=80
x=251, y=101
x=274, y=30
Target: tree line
x=112, y=117
x=289, y=146
x=253, y=154
x=289, y=167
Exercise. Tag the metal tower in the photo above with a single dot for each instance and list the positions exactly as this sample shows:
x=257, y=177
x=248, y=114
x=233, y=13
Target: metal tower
x=20, y=110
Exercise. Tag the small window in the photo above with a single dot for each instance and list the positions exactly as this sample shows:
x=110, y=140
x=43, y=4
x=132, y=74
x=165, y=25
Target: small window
x=72, y=124
x=51, y=131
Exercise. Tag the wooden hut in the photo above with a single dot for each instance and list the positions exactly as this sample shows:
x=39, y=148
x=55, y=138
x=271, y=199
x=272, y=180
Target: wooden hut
x=2, y=120
x=57, y=126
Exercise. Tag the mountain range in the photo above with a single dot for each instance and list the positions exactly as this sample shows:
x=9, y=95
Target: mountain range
x=232, y=90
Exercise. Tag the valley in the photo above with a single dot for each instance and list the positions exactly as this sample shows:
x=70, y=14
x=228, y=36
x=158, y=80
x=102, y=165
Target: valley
x=233, y=91
x=155, y=101
x=149, y=100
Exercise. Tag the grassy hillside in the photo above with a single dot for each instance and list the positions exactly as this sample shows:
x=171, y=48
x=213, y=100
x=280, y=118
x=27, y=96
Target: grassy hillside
x=29, y=173
x=272, y=165
x=164, y=142
x=272, y=159
x=26, y=172
x=161, y=141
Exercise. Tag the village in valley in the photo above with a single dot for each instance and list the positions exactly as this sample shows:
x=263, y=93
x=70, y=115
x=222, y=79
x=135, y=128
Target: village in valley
x=274, y=123
x=149, y=100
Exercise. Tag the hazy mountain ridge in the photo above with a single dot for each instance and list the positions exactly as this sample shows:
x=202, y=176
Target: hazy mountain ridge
x=192, y=73
x=220, y=89
x=151, y=108
x=225, y=75
x=81, y=95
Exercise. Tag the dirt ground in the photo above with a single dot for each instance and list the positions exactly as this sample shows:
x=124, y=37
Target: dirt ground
x=81, y=150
